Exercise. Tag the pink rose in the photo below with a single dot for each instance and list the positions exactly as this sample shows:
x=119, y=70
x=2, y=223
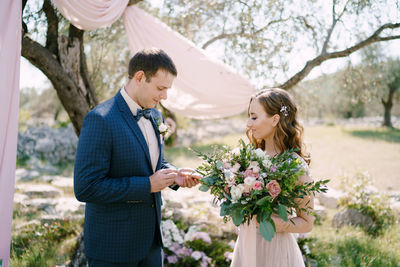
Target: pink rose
x=249, y=172
x=258, y=185
x=273, y=188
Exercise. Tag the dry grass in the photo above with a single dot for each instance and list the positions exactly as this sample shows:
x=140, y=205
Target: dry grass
x=336, y=151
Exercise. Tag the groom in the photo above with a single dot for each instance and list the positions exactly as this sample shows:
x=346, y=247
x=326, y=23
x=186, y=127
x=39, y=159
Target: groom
x=120, y=168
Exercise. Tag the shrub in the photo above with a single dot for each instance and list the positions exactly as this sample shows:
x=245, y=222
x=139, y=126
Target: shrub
x=360, y=196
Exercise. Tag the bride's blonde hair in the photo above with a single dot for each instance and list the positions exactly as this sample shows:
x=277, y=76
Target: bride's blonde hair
x=289, y=132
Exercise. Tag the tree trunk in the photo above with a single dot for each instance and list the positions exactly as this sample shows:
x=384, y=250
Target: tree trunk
x=387, y=105
x=63, y=61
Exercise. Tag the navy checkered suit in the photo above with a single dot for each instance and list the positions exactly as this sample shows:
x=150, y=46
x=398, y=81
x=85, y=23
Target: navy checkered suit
x=111, y=175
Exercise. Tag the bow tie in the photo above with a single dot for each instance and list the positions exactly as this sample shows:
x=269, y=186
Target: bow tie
x=146, y=113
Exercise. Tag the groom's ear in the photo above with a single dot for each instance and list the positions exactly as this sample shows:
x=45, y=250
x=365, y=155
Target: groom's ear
x=139, y=76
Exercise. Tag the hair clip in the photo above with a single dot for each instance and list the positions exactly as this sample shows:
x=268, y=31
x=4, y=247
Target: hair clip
x=285, y=110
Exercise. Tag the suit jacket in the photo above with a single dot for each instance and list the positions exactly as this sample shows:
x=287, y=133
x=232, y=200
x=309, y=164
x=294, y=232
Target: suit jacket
x=111, y=175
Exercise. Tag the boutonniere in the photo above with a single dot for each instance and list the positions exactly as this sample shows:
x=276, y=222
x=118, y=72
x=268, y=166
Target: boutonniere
x=162, y=128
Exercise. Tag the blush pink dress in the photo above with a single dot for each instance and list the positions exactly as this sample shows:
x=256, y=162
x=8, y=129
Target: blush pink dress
x=252, y=250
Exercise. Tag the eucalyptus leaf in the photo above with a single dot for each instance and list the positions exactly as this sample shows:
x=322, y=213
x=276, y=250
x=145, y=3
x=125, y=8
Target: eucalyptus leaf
x=267, y=230
x=204, y=188
x=282, y=212
x=237, y=216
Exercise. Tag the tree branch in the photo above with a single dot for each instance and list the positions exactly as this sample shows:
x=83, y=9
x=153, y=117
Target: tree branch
x=52, y=28
x=133, y=2
x=334, y=22
x=242, y=33
x=343, y=53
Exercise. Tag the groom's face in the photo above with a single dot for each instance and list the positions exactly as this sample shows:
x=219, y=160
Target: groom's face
x=151, y=92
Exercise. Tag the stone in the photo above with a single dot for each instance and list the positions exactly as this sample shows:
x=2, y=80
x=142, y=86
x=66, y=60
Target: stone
x=45, y=145
x=40, y=191
x=352, y=217
x=330, y=198
x=41, y=203
x=50, y=219
x=26, y=175
x=68, y=205
x=20, y=198
x=62, y=181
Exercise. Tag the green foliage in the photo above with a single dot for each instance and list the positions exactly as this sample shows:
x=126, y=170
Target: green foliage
x=385, y=134
x=38, y=245
x=353, y=247
x=359, y=196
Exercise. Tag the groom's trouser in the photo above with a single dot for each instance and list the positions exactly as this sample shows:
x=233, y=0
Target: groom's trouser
x=153, y=259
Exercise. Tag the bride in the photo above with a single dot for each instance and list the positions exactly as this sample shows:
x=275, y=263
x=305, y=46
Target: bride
x=273, y=127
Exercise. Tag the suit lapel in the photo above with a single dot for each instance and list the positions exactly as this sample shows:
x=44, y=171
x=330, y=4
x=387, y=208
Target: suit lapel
x=130, y=120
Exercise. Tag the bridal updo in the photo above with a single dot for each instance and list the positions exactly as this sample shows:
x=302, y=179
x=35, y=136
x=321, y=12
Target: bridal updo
x=289, y=132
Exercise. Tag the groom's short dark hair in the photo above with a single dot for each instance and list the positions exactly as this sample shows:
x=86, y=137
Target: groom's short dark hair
x=150, y=60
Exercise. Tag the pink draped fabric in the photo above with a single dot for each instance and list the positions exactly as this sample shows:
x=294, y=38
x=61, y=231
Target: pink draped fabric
x=10, y=53
x=91, y=14
x=205, y=87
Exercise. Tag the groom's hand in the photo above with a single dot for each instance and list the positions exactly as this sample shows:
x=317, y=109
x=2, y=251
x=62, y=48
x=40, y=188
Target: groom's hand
x=161, y=179
x=187, y=178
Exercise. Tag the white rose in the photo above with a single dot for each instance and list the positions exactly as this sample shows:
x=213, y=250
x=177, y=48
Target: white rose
x=253, y=164
x=237, y=191
x=236, y=151
x=249, y=180
x=162, y=128
x=267, y=163
x=260, y=153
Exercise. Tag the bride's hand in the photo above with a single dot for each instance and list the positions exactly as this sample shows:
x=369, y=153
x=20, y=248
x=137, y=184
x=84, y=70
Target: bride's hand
x=187, y=177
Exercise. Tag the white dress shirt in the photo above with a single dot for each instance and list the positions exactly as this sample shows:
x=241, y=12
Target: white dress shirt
x=147, y=129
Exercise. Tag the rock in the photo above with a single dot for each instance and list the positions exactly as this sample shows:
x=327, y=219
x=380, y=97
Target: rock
x=68, y=205
x=20, y=198
x=352, y=217
x=45, y=145
x=330, y=198
x=52, y=145
x=41, y=203
x=25, y=175
x=50, y=219
x=39, y=191
x=63, y=181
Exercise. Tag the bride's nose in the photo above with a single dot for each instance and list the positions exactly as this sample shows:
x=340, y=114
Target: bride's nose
x=249, y=123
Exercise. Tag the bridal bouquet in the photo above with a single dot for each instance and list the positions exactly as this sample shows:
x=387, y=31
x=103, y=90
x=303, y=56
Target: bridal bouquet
x=246, y=182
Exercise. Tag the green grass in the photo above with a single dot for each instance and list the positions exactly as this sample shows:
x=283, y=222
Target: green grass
x=44, y=244
x=383, y=134
x=350, y=246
